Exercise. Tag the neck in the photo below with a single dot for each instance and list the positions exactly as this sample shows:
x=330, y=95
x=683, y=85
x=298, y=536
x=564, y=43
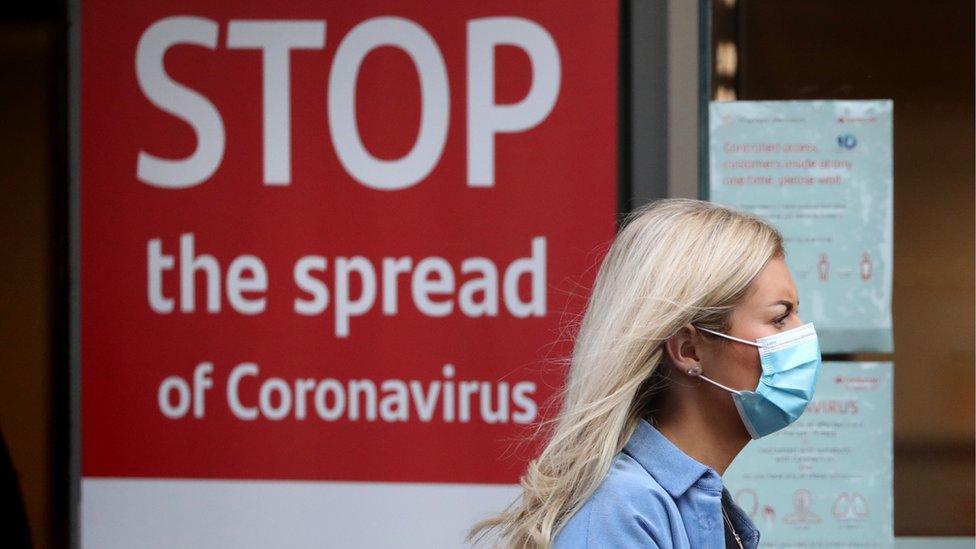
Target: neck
x=701, y=420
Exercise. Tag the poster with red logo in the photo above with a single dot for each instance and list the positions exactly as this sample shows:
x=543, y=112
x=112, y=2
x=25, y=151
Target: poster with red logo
x=329, y=253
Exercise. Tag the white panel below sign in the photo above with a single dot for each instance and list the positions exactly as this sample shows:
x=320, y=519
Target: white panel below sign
x=149, y=513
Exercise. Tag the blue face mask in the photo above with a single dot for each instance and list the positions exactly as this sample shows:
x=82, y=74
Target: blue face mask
x=790, y=367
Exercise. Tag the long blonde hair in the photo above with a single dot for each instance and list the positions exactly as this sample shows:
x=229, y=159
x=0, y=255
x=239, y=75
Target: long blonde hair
x=673, y=262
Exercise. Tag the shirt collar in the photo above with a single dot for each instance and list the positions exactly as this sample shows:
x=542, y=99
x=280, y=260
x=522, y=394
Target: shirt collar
x=673, y=469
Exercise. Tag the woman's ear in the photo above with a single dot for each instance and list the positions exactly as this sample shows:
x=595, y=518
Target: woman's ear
x=683, y=352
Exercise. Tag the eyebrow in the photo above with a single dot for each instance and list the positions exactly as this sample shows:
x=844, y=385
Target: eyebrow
x=788, y=304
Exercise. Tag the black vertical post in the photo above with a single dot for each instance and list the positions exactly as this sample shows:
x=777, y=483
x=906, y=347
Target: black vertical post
x=624, y=203
x=704, y=92
x=643, y=103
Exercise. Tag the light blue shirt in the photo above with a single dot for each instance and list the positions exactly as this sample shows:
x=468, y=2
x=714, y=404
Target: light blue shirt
x=655, y=495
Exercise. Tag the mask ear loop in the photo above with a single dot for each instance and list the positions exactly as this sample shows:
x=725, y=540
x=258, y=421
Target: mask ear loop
x=746, y=341
x=696, y=371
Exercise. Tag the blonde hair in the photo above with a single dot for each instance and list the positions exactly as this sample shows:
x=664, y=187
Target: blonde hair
x=675, y=261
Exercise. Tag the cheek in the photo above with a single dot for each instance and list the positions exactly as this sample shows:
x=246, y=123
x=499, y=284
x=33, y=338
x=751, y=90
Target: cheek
x=746, y=365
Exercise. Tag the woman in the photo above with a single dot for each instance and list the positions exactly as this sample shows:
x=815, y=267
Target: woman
x=690, y=347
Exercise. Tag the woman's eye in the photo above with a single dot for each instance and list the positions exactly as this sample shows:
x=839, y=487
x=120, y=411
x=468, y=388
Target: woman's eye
x=780, y=321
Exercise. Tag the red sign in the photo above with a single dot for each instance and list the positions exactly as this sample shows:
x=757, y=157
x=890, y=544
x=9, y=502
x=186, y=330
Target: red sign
x=336, y=241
